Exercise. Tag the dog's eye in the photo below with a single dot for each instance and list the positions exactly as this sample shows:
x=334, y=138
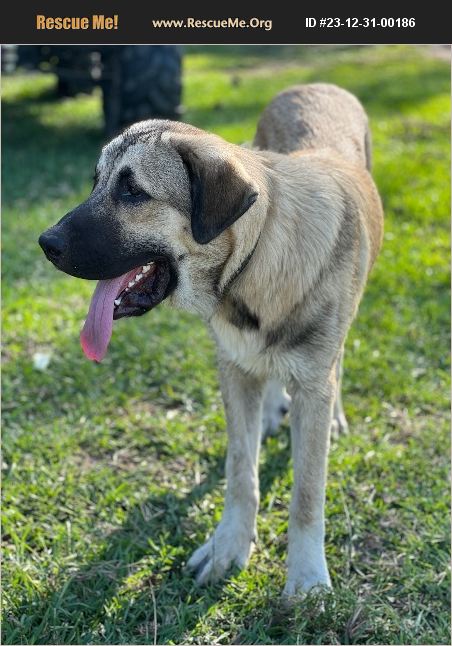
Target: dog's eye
x=128, y=190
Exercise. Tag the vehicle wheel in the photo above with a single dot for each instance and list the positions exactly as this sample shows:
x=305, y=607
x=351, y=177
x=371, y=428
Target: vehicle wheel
x=141, y=82
x=73, y=66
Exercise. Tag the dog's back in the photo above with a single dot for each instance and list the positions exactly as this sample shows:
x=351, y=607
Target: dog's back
x=317, y=116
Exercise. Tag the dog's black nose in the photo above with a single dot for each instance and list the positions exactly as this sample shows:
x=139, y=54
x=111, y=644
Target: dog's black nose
x=52, y=245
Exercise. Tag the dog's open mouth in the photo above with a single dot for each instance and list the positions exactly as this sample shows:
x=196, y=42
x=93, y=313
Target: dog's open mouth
x=131, y=294
x=144, y=290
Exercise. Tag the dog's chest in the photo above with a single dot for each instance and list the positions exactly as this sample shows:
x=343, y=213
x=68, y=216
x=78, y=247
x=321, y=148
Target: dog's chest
x=245, y=347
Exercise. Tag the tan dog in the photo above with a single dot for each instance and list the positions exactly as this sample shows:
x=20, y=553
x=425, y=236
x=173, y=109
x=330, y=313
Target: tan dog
x=272, y=247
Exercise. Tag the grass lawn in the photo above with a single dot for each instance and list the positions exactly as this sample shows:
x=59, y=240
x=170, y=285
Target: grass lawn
x=113, y=473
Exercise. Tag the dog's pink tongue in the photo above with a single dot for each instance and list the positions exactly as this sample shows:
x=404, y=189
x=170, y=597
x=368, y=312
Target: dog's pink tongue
x=96, y=333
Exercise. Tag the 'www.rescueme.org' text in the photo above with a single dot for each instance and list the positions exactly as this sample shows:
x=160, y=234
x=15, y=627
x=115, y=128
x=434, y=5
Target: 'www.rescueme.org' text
x=212, y=23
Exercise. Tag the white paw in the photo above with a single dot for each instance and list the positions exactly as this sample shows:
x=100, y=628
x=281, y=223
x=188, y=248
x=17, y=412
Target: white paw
x=304, y=578
x=276, y=406
x=296, y=587
x=231, y=544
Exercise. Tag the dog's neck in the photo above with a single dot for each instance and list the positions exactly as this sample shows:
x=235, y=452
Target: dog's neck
x=246, y=231
x=271, y=283
x=240, y=269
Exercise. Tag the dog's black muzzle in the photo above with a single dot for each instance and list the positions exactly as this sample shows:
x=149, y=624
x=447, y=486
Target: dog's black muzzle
x=87, y=243
x=52, y=245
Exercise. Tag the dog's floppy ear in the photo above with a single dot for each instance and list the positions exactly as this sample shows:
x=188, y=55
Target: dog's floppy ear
x=220, y=190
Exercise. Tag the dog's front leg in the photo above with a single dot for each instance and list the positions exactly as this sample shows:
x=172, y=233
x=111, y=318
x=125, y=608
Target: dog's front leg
x=232, y=541
x=311, y=412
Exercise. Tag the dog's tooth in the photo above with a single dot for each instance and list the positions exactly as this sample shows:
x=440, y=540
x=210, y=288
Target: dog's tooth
x=131, y=284
x=138, y=277
x=146, y=268
x=117, y=301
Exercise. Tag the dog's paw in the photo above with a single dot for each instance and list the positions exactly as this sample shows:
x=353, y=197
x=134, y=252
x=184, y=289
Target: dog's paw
x=313, y=584
x=226, y=548
x=305, y=577
x=276, y=407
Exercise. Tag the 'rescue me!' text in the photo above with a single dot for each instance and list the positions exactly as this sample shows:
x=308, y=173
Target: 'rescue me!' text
x=96, y=21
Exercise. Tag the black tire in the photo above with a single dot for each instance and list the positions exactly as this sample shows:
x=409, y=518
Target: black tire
x=141, y=82
x=73, y=66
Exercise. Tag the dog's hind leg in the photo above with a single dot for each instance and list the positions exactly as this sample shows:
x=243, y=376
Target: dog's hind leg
x=232, y=541
x=276, y=406
x=339, y=423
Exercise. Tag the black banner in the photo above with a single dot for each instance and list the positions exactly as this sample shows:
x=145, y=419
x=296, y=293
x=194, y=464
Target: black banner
x=134, y=22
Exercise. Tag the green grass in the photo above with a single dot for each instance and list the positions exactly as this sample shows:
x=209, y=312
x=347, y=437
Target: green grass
x=113, y=473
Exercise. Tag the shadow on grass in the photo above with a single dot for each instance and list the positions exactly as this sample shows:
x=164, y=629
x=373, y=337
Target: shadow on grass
x=37, y=150
x=75, y=609
x=81, y=603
